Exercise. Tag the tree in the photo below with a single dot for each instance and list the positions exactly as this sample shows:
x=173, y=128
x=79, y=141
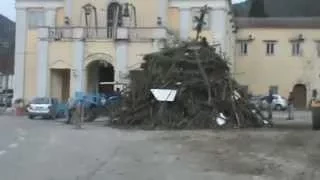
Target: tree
x=257, y=9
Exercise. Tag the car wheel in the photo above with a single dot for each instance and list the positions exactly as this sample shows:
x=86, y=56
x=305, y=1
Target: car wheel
x=30, y=117
x=278, y=107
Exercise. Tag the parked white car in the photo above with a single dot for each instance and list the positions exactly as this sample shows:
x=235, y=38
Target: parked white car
x=43, y=106
x=278, y=103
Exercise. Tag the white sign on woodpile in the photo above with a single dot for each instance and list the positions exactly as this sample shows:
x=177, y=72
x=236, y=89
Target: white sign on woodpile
x=164, y=94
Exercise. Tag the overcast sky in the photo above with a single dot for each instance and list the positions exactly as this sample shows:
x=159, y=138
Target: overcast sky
x=7, y=8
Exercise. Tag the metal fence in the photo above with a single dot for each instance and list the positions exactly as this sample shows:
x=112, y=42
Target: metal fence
x=299, y=115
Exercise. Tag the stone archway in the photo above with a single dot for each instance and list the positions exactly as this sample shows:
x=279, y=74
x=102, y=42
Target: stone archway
x=300, y=96
x=99, y=57
x=100, y=73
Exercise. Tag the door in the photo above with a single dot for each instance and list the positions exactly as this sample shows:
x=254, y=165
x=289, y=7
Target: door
x=65, y=85
x=300, y=96
x=60, y=84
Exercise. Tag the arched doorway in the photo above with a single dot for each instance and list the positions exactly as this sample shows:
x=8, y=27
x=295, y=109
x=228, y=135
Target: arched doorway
x=300, y=96
x=100, y=77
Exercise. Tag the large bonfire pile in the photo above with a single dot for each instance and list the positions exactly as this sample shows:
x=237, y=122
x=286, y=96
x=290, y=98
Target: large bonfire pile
x=206, y=94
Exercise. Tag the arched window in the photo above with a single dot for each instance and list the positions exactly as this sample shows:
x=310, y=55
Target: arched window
x=129, y=11
x=89, y=19
x=114, y=18
x=90, y=15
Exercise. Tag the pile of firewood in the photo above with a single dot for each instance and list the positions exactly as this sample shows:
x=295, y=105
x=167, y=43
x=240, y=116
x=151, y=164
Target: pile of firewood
x=207, y=95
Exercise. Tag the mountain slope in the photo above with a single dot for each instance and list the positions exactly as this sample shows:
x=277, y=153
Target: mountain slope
x=7, y=44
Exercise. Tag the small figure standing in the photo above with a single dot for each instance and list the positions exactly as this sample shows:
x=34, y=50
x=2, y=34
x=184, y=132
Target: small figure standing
x=71, y=108
x=269, y=101
x=314, y=97
x=290, y=106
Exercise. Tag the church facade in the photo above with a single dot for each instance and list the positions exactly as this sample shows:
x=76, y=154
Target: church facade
x=65, y=46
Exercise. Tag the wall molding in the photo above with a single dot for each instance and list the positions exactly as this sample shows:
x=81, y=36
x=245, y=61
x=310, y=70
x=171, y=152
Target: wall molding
x=39, y=4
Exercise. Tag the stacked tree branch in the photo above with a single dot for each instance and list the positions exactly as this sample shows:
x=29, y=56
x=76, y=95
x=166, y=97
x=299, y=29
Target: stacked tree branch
x=206, y=92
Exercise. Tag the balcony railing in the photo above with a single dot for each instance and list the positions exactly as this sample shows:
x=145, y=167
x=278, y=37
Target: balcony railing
x=147, y=33
x=79, y=32
x=102, y=33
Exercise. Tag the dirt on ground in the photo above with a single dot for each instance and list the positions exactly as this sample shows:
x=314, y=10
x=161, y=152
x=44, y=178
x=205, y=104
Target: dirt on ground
x=289, y=151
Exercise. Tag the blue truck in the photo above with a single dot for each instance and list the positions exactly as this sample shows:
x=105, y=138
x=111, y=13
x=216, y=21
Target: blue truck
x=95, y=105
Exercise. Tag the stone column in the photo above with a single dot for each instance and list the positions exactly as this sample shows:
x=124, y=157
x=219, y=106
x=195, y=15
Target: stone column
x=79, y=72
x=219, y=26
x=51, y=17
x=185, y=26
x=121, y=67
x=42, y=65
x=163, y=11
x=20, y=53
x=69, y=4
x=43, y=69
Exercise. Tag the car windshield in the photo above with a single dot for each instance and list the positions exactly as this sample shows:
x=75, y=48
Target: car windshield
x=40, y=101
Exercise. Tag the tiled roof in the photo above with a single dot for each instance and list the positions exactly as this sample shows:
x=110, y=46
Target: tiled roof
x=279, y=22
x=282, y=8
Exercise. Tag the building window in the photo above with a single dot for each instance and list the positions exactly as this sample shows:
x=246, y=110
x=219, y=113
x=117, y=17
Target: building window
x=4, y=44
x=243, y=48
x=90, y=15
x=296, y=48
x=196, y=14
x=36, y=18
x=114, y=18
x=270, y=48
x=274, y=89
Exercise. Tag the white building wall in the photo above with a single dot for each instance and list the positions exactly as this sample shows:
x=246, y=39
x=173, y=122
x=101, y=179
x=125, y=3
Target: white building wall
x=43, y=50
x=219, y=20
x=21, y=38
x=19, y=67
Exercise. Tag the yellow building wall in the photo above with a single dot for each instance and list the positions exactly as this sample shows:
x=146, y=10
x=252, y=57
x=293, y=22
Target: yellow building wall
x=174, y=20
x=260, y=71
x=147, y=12
x=106, y=47
x=60, y=17
x=60, y=55
x=136, y=52
x=31, y=65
